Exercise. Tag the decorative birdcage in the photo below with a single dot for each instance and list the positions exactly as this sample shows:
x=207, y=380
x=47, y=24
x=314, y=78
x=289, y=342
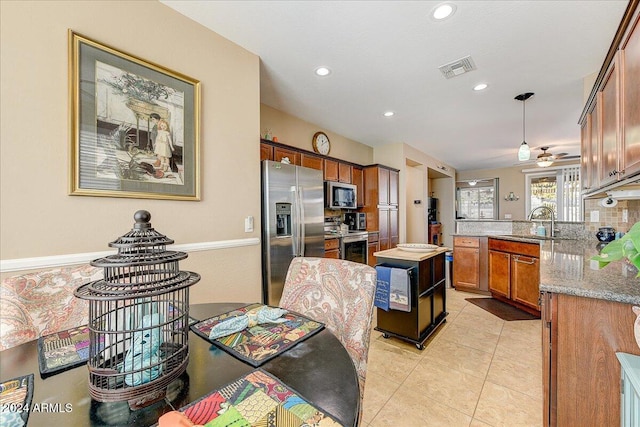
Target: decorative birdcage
x=138, y=318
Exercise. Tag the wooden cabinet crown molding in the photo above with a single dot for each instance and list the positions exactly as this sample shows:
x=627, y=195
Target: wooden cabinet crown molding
x=309, y=153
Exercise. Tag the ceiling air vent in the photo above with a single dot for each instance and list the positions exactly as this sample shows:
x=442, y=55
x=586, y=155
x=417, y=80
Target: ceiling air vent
x=457, y=67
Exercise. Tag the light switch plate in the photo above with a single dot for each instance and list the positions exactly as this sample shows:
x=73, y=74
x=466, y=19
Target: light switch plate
x=625, y=215
x=248, y=224
x=594, y=216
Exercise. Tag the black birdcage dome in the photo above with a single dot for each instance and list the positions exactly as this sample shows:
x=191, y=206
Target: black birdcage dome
x=138, y=317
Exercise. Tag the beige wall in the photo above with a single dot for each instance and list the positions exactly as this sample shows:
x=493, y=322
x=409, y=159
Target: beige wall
x=39, y=219
x=295, y=132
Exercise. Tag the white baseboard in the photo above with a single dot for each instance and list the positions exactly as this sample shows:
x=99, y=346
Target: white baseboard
x=8, y=265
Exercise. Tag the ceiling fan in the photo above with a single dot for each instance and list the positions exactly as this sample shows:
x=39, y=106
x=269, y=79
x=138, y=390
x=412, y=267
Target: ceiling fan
x=546, y=159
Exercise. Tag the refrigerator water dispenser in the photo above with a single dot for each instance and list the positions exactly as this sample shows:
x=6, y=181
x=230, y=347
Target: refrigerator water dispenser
x=283, y=219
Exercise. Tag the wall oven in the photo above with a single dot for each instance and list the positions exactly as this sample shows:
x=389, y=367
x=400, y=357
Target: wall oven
x=354, y=247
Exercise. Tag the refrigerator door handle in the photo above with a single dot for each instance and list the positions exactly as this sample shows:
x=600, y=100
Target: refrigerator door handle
x=295, y=232
x=302, y=234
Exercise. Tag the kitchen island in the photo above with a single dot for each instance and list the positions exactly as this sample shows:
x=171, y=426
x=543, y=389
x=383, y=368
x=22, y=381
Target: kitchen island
x=586, y=318
x=427, y=295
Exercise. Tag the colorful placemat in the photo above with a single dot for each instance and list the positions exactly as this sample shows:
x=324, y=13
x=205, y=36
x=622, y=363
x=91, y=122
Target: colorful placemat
x=258, y=344
x=69, y=349
x=257, y=399
x=15, y=401
x=63, y=350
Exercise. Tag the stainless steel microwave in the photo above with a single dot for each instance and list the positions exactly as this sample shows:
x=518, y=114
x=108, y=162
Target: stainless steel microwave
x=339, y=195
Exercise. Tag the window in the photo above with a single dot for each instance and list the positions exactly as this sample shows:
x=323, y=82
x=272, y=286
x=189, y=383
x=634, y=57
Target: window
x=476, y=199
x=558, y=189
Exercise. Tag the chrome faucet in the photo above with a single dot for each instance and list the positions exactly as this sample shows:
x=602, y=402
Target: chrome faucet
x=551, y=214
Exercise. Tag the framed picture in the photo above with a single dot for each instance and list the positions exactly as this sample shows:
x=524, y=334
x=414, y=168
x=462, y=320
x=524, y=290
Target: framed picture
x=135, y=126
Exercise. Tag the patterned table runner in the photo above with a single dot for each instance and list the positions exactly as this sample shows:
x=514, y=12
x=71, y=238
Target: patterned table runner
x=15, y=401
x=258, y=344
x=256, y=399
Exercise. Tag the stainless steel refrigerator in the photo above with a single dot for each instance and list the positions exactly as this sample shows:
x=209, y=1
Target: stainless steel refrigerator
x=292, y=222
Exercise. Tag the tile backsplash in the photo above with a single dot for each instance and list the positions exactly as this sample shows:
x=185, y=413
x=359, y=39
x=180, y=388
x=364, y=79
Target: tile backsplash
x=611, y=216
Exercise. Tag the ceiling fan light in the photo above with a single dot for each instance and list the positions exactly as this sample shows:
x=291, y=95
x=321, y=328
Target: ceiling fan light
x=544, y=163
x=473, y=182
x=524, y=153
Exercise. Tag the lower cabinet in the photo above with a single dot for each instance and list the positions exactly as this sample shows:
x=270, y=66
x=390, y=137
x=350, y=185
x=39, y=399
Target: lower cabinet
x=581, y=372
x=514, y=273
x=470, y=264
x=373, y=247
x=428, y=301
x=332, y=248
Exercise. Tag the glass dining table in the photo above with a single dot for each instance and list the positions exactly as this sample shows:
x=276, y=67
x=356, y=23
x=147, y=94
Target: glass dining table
x=319, y=369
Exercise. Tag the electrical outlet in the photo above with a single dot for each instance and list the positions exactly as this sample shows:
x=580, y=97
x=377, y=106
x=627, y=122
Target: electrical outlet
x=507, y=216
x=594, y=216
x=625, y=215
x=248, y=224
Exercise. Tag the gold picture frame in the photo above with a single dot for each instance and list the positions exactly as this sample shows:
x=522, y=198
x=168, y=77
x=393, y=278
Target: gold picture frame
x=135, y=126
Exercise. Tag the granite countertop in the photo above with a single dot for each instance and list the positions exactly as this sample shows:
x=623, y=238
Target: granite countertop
x=397, y=253
x=566, y=268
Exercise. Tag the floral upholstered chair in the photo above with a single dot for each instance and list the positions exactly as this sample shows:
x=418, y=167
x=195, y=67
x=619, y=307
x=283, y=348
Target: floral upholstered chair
x=339, y=294
x=41, y=303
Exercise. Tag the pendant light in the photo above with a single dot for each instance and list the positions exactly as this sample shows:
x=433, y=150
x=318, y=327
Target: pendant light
x=524, y=153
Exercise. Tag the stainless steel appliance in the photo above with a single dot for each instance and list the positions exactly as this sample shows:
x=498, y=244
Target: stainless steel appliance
x=356, y=220
x=354, y=246
x=292, y=222
x=339, y=195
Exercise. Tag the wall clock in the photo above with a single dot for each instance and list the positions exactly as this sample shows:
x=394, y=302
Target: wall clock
x=321, y=143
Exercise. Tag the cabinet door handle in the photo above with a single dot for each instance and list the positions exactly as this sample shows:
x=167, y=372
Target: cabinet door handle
x=518, y=259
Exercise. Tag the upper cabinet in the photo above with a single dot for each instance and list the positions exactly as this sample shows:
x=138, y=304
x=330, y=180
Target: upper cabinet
x=630, y=99
x=610, y=125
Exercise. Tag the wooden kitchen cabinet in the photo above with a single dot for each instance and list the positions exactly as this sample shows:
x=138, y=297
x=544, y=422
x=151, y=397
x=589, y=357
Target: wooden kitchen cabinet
x=630, y=98
x=357, y=179
x=610, y=121
x=525, y=280
x=514, y=273
x=499, y=273
x=344, y=172
x=330, y=170
x=266, y=152
x=382, y=216
x=313, y=162
x=470, y=264
x=594, y=146
x=373, y=247
x=581, y=373
x=337, y=171
x=280, y=153
x=332, y=248
x=609, y=112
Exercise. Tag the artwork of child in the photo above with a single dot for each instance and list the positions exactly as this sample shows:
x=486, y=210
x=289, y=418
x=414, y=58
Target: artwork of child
x=163, y=145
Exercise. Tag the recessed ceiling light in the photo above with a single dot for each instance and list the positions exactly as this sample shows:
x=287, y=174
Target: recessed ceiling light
x=388, y=113
x=481, y=86
x=443, y=11
x=323, y=71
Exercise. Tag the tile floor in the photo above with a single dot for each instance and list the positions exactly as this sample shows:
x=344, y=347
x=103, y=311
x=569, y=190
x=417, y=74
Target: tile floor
x=476, y=370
